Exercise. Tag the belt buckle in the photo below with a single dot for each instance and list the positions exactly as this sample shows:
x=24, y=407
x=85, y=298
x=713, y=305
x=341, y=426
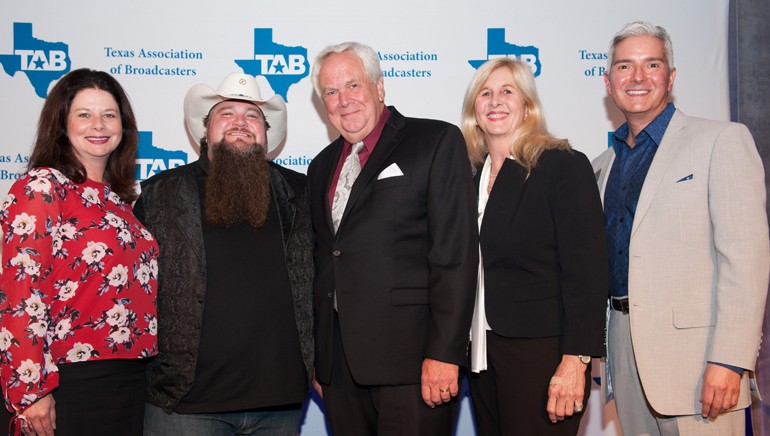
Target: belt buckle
x=620, y=304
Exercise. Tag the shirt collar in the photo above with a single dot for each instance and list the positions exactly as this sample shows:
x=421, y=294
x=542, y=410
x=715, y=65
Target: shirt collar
x=371, y=139
x=203, y=161
x=655, y=130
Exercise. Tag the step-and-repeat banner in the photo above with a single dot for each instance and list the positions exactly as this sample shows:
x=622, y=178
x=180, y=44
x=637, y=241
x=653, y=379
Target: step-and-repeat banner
x=428, y=52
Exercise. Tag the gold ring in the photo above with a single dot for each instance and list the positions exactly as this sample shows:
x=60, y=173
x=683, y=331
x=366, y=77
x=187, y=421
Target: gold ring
x=444, y=391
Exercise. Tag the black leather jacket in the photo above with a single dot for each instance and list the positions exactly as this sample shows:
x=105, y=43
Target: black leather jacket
x=169, y=207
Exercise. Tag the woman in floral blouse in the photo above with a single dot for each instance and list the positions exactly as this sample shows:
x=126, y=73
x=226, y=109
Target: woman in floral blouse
x=78, y=281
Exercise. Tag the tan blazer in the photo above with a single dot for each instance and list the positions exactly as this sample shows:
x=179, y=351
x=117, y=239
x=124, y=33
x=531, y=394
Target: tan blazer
x=699, y=261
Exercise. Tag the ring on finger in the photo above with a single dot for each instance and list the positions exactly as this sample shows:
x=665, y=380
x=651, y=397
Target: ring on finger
x=578, y=407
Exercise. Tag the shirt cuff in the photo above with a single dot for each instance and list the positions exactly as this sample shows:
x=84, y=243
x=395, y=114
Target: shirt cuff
x=730, y=367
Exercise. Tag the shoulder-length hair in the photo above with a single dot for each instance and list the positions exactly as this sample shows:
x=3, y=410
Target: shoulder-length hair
x=531, y=137
x=52, y=147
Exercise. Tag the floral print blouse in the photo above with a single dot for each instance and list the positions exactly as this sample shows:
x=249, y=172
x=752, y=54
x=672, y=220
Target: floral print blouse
x=78, y=282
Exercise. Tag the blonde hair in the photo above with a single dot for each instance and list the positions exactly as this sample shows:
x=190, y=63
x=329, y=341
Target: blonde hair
x=531, y=137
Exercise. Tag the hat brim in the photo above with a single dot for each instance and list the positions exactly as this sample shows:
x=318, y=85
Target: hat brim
x=201, y=98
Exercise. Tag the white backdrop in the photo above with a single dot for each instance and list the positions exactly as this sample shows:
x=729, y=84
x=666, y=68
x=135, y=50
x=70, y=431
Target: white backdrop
x=159, y=49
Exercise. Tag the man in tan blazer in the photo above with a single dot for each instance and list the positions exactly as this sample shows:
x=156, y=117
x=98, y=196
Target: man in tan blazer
x=684, y=202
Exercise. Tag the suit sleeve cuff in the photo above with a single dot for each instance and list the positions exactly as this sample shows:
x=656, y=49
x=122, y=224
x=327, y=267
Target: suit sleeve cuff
x=730, y=367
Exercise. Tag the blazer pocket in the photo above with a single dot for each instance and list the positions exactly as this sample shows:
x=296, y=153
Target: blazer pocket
x=694, y=315
x=391, y=182
x=408, y=296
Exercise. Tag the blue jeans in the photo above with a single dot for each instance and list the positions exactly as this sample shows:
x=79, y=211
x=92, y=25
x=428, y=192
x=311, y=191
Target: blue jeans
x=267, y=423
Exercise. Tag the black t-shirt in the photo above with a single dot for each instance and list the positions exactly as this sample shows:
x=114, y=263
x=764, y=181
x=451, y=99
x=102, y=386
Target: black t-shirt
x=249, y=355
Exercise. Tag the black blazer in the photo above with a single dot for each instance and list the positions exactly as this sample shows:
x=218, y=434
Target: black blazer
x=404, y=259
x=544, y=251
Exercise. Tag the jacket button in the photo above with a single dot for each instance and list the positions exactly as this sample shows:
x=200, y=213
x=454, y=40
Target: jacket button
x=336, y=253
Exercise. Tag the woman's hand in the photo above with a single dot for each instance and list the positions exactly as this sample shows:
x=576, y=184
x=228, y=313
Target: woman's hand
x=565, y=393
x=39, y=419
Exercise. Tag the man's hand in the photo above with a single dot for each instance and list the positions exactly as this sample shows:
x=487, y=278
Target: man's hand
x=317, y=386
x=721, y=387
x=40, y=418
x=439, y=382
x=565, y=392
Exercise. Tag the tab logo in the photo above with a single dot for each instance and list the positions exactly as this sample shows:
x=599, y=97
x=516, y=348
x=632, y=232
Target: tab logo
x=41, y=61
x=272, y=65
x=152, y=160
x=497, y=47
x=34, y=60
x=282, y=65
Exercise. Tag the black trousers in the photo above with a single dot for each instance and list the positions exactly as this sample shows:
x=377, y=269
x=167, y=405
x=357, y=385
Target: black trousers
x=356, y=410
x=510, y=398
x=103, y=397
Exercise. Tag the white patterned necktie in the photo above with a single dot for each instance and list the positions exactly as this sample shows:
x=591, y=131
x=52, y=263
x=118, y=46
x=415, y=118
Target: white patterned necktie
x=350, y=171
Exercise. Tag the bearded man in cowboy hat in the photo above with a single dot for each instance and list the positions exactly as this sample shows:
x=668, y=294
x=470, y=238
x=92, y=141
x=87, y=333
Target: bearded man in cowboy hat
x=235, y=274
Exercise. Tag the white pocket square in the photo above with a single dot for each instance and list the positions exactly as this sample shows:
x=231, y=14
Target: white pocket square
x=392, y=171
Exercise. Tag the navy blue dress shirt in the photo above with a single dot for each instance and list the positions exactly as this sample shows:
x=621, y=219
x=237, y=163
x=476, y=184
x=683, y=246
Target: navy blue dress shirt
x=622, y=192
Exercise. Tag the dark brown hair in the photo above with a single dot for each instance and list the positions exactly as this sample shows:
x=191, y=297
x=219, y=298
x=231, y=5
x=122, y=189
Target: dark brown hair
x=52, y=146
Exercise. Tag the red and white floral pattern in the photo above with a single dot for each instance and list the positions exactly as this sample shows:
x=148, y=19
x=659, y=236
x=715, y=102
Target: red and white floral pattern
x=78, y=282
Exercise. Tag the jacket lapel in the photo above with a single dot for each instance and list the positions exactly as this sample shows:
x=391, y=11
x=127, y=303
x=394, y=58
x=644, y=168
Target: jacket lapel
x=663, y=157
x=339, y=144
x=602, y=174
x=390, y=138
x=189, y=217
x=509, y=188
x=283, y=196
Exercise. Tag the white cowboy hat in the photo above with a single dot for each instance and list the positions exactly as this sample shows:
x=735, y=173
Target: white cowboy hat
x=237, y=86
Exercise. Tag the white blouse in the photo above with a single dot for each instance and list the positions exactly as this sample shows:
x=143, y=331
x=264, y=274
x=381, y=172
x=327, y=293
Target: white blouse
x=479, y=326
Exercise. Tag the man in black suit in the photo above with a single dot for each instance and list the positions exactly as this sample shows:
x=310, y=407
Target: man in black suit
x=396, y=256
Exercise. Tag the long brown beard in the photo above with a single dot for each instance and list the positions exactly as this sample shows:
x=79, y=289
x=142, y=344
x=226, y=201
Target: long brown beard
x=237, y=186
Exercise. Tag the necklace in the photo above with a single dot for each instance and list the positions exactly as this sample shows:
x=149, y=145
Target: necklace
x=491, y=182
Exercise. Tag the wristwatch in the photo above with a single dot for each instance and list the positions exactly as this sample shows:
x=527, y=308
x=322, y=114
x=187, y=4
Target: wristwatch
x=584, y=359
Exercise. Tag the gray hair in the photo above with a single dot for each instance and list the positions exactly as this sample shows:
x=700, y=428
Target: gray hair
x=366, y=54
x=642, y=28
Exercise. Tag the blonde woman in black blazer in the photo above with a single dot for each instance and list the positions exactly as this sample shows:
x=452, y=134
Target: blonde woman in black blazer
x=540, y=307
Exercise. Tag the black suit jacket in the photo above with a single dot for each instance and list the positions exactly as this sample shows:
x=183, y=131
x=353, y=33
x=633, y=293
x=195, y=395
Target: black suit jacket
x=544, y=251
x=404, y=260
